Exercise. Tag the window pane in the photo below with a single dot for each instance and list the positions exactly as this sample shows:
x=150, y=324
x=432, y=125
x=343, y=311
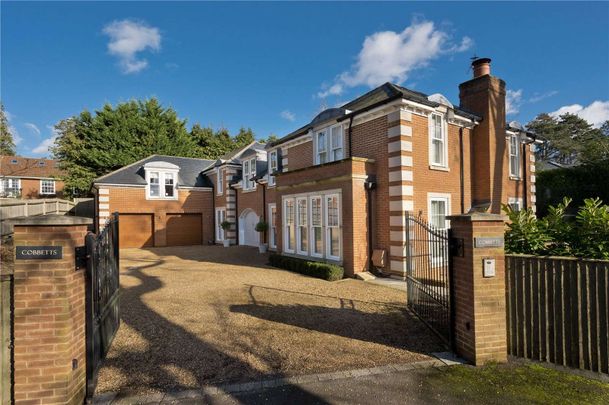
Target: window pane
x=316, y=211
x=168, y=185
x=332, y=206
x=321, y=141
x=438, y=214
x=318, y=245
x=303, y=239
x=154, y=185
x=438, y=153
x=334, y=241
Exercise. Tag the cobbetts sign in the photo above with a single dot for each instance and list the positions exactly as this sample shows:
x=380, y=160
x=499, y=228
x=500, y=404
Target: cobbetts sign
x=38, y=252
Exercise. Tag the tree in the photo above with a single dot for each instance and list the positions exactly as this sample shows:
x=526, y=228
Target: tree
x=271, y=138
x=244, y=137
x=91, y=145
x=569, y=139
x=7, y=145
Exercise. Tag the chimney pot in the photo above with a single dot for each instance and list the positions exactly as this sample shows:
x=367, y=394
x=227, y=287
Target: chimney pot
x=481, y=67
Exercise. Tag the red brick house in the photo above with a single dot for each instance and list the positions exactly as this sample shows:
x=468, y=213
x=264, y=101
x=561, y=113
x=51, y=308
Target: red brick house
x=27, y=178
x=337, y=188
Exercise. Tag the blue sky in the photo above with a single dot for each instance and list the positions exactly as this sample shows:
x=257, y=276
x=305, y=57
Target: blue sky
x=272, y=66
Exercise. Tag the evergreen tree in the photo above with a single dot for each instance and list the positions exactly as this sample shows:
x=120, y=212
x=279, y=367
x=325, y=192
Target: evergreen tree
x=7, y=145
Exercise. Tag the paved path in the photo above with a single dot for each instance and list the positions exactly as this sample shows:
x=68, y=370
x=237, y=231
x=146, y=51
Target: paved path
x=393, y=384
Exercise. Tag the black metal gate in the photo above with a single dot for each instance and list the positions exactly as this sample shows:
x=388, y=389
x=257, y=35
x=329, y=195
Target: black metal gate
x=102, y=296
x=429, y=275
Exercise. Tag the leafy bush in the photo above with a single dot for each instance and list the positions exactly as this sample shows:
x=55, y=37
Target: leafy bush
x=559, y=234
x=325, y=271
x=225, y=225
x=262, y=226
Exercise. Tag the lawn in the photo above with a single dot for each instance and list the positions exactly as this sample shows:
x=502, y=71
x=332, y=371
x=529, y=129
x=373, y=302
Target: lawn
x=514, y=383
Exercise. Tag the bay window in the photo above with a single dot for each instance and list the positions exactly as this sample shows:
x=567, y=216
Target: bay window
x=437, y=145
x=514, y=151
x=302, y=236
x=289, y=236
x=315, y=220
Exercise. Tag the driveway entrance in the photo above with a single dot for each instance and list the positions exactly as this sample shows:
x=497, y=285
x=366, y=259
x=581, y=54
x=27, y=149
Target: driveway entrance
x=209, y=315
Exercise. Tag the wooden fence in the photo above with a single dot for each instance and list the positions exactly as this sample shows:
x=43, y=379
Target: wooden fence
x=11, y=208
x=558, y=310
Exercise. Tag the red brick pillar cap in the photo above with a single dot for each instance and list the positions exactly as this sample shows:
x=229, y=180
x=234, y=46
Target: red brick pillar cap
x=50, y=220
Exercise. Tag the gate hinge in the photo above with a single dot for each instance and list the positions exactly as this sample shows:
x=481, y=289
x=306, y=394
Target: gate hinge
x=81, y=257
x=456, y=247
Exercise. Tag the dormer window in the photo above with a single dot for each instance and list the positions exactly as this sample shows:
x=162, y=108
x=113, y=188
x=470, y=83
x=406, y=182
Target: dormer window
x=329, y=144
x=249, y=172
x=161, y=181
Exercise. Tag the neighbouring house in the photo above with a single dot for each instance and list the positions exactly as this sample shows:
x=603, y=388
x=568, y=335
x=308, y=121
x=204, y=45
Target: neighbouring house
x=338, y=188
x=27, y=178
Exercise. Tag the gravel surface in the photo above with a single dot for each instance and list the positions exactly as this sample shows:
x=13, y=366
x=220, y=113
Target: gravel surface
x=202, y=315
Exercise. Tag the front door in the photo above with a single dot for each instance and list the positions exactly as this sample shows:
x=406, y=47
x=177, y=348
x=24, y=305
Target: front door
x=247, y=229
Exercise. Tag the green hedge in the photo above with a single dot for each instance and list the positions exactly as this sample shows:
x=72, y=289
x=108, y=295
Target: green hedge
x=578, y=183
x=325, y=271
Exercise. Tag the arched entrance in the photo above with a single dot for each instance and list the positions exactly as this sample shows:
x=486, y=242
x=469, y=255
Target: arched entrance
x=247, y=228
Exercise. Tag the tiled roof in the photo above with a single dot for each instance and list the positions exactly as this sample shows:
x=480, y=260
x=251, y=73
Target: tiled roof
x=190, y=174
x=24, y=167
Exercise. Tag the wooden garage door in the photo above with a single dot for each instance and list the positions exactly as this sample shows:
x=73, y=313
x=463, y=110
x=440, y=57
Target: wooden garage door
x=135, y=230
x=184, y=229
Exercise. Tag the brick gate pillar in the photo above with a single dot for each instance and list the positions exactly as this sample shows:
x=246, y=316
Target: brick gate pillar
x=49, y=311
x=479, y=288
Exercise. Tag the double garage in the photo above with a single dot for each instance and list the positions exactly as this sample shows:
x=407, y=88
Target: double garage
x=138, y=230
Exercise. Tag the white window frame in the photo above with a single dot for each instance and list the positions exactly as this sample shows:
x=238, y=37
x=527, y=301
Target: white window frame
x=272, y=225
x=44, y=183
x=220, y=181
x=220, y=217
x=249, y=171
x=328, y=227
x=438, y=197
x=286, y=231
x=514, y=152
x=299, y=226
x=273, y=167
x=431, y=197
x=513, y=201
x=163, y=174
x=329, y=148
x=312, y=226
x=12, y=184
x=443, y=139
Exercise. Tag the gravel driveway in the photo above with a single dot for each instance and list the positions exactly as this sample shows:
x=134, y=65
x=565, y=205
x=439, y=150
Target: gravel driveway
x=211, y=315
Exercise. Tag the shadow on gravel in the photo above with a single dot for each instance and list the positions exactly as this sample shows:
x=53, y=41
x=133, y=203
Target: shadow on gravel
x=170, y=347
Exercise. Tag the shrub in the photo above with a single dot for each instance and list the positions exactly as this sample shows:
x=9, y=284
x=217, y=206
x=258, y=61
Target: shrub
x=262, y=226
x=225, y=225
x=325, y=271
x=558, y=233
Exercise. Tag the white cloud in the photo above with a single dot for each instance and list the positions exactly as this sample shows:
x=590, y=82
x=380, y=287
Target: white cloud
x=538, y=97
x=288, y=115
x=513, y=100
x=32, y=127
x=596, y=113
x=392, y=56
x=127, y=39
x=45, y=145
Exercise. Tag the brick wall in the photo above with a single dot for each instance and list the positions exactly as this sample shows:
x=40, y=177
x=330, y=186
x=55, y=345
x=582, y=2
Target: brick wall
x=300, y=156
x=480, y=313
x=132, y=200
x=49, y=323
x=30, y=188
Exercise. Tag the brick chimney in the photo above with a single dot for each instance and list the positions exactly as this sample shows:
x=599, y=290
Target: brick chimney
x=484, y=95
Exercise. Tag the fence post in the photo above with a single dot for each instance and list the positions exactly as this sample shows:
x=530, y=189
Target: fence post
x=480, y=333
x=49, y=315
